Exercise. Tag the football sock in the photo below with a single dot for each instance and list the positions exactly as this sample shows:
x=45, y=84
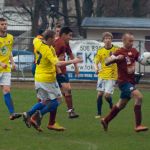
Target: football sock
x=52, y=117
x=50, y=106
x=138, y=114
x=9, y=102
x=109, y=100
x=99, y=105
x=36, y=107
x=114, y=111
x=68, y=100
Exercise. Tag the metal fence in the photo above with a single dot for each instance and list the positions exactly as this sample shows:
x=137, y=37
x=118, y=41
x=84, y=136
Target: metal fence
x=23, y=56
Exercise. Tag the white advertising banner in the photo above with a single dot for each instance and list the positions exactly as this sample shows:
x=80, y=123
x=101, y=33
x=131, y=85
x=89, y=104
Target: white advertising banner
x=87, y=50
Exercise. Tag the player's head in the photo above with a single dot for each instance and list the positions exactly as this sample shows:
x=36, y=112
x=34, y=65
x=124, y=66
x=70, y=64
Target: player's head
x=66, y=34
x=128, y=39
x=49, y=36
x=3, y=25
x=107, y=38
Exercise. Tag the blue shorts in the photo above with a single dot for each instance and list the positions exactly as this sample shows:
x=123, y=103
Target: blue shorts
x=126, y=90
x=62, y=78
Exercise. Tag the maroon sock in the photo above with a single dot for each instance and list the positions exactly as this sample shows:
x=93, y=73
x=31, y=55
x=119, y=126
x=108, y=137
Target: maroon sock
x=52, y=117
x=138, y=114
x=68, y=100
x=114, y=111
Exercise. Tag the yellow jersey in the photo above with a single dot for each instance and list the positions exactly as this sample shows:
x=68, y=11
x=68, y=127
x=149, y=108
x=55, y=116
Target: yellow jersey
x=6, y=45
x=46, y=60
x=106, y=72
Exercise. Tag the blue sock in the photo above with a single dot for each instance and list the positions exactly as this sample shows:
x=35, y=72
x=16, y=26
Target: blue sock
x=51, y=106
x=9, y=102
x=36, y=107
x=109, y=100
x=99, y=105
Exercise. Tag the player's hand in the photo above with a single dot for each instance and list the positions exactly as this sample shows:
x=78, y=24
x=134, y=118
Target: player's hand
x=119, y=57
x=3, y=65
x=13, y=66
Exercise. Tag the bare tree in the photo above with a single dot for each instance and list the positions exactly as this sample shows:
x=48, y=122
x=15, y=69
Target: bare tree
x=78, y=13
x=87, y=8
x=65, y=12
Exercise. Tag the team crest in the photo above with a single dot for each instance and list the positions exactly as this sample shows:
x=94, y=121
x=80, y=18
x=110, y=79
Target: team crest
x=3, y=50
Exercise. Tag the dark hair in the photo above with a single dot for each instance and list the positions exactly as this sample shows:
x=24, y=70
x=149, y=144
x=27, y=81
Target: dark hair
x=48, y=34
x=40, y=31
x=2, y=19
x=65, y=30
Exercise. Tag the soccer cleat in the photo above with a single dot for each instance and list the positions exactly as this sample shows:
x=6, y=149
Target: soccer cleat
x=72, y=114
x=97, y=116
x=56, y=127
x=141, y=128
x=14, y=116
x=26, y=119
x=35, y=121
x=104, y=124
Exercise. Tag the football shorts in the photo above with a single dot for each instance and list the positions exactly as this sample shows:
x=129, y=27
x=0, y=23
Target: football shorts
x=5, y=78
x=106, y=86
x=126, y=90
x=47, y=91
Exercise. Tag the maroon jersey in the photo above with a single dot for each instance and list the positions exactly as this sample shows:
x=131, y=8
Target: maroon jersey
x=126, y=66
x=61, y=50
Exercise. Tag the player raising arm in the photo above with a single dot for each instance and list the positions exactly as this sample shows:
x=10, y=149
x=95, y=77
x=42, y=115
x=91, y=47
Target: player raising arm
x=125, y=58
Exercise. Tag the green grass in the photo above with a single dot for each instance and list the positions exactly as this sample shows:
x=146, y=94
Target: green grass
x=84, y=133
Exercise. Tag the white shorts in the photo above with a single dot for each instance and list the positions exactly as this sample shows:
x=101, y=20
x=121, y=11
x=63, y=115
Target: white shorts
x=5, y=78
x=106, y=86
x=47, y=91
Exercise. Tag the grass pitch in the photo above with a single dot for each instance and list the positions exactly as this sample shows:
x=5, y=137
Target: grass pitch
x=84, y=133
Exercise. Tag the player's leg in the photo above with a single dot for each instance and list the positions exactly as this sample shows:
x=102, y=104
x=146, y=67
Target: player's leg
x=137, y=110
x=51, y=91
x=66, y=91
x=113, y=113
x=124, y=98
x=109, y=89
x=100, y=89
x=5, y=82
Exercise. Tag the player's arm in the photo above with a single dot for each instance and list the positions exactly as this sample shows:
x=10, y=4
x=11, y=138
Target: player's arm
x=12, y=62
x=71, y=56
x=54, y=60
x=69, y=62
x=112, y=59
x=97, y=60
x=96, y=68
